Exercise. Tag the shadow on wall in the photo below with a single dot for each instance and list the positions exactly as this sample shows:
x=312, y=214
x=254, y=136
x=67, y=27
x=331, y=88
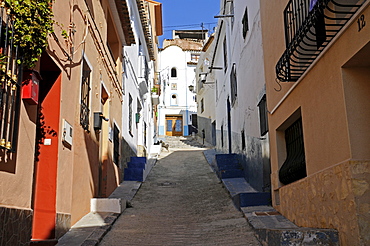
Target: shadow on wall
x=92, y=149
x=109, y=179
x=127, y=152
x=8, y=161
x=104, y=175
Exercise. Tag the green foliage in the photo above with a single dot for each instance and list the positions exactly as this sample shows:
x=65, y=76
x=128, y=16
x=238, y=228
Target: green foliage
x=32, y=24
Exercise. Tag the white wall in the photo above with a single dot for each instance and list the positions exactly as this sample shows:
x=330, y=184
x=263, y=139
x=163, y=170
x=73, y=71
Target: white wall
x=136, y=87
x=247, y=54
x=174, y=57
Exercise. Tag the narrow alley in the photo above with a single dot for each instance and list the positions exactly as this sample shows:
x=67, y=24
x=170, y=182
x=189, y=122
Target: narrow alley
x=182, y=202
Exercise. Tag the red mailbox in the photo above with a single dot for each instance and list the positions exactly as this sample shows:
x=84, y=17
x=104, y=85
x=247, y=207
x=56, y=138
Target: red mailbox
x=30, y=87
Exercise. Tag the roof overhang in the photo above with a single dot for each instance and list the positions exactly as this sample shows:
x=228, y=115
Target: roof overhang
x=124, y=16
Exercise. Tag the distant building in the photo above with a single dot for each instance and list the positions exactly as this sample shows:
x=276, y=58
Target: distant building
x=177, y=113
x=206, y=94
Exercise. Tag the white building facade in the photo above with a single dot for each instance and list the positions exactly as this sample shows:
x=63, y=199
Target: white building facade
x=206, y=96
x=139, y=78
x=237, y=69
x=177, y=109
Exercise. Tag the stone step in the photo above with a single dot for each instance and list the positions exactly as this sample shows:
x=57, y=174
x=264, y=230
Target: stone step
x=136, y=165
x=231, y=173
x=244, y=195
x=227, y=161
x=272, y=228
x=134, y=174
x=138, y=159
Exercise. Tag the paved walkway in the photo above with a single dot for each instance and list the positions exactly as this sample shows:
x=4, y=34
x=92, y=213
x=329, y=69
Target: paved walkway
x=182, y=202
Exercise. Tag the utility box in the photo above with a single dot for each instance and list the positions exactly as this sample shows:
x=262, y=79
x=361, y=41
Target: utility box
x=67, y=133
x=30, y=87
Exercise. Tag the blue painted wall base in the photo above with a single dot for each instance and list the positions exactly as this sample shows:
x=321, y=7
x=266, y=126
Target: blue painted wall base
x=135, y=169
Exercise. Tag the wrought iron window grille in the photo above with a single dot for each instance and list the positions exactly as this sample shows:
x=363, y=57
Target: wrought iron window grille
x=85, y=97
x=10, y=83
x=294, y=167
x=308, y=30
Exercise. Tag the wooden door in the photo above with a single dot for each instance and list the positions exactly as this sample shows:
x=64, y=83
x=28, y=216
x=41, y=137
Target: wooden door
x=174, y=125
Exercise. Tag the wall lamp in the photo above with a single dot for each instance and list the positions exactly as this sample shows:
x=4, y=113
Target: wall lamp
x=98, y=117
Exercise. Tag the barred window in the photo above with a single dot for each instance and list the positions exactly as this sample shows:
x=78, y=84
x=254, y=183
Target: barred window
x=222, y=135
x=85, y=96
x=245, y=23
x=262, y=106
x=116, y=144
x=10, y=86
x=243, y=140
x=130, y=112
x=202, y=105
x=294, y=167
x=225, y=54
x=233, y=84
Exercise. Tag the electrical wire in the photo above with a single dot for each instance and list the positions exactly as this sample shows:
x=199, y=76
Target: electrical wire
x=189, y=25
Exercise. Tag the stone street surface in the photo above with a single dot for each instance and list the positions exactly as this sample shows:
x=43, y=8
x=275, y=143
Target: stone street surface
x=182, y=202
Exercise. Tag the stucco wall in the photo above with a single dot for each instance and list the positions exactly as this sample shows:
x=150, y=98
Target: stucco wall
x=338, y=197
x=331, y=100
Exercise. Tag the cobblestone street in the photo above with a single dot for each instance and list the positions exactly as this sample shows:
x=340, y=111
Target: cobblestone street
x=182, y=202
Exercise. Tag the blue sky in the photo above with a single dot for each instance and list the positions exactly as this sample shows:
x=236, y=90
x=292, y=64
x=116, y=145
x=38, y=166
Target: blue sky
x=188, y=15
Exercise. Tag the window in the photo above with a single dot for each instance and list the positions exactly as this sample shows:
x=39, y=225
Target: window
x=138, y=111
x=173, y=73
x=195, y=57
x=173, y=99
x=145, y=133
x=173, y=86
x=233, y=84
x=9, y=92
x=169, y=126
x=225, y=55
x=113, y=43
x=85, y=96
x=262, y=106
x=194, y=120
x=202, y=105
x=178, y=126
x=130, y=112
x=294, y=167
x=146, y=71
x=245, y=23
x=243, y=140
x=116, y=144
x=222, y=135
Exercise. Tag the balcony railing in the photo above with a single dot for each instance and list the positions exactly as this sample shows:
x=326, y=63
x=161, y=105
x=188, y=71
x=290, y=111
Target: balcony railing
x=10, y=83
x=310, y=25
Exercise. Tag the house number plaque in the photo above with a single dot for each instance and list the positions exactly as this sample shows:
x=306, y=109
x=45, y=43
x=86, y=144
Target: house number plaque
x=361, y=22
